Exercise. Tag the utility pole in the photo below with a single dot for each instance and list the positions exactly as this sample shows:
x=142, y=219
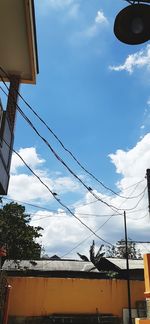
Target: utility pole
x=148, y=187
x=127, y=267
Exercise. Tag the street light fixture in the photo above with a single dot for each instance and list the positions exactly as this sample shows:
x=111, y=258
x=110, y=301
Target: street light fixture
x=132, y=24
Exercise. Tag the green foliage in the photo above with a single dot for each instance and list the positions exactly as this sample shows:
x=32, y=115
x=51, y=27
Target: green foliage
x=94, y=258
x=17, y=235
x=83, y=257
x=119, y=251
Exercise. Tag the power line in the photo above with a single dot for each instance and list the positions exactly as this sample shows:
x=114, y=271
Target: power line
x=61, y=212
x=86, y=215
x=90, y=190
x=61, y=143
x=58, y=213
x=85, y=240
x=46, y=209
x=68, y=168
x=82, y=216
x=58, y=216
x=26, y=203
x=95, y=201
x=79, y=244
x=135, y=184
x=91, y=234
x=61, y=160
x=57, y=156
x=54, y=195
x=139, y=218
x=137, y=211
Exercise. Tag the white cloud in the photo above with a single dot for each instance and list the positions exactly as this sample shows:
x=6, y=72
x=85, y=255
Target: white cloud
x=60, y=231
x=137, y=60
x=31, y=157
x=92, y=30
x=134, y=162
x=27, y=187
x=142, y=127
x=100, y=18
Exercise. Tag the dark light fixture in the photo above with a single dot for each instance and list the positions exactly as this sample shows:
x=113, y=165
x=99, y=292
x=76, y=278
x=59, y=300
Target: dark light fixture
x=132, y=24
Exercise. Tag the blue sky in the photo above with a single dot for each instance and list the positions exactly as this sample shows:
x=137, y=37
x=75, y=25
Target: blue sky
x=94, y=92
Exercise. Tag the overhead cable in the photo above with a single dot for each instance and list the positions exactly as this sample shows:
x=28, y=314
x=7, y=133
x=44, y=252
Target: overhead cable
x=61, y=143
x=55, y=196
x=80, y=243
x=57, y=213
x=90, y=190
x=62, y=162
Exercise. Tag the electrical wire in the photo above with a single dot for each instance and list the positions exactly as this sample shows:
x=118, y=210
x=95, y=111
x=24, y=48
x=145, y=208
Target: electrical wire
x=26, y=203
x=138, y=219
x=89, y=189
x=61, y=143
x=85, y=215
x=137, y=210
x=55, y=197
x=80, y=206
x=79, y=244
x=134, y=184
x=139, y=200
x=65, y=165
x=62, y=161
x=61, y=212
x=58, y=216
x=52, y=210
x=129, y=209
x=95, y=201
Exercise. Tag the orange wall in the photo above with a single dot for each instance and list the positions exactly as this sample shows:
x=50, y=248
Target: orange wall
x=147, y=274
x=142, y=321
x=31, y=296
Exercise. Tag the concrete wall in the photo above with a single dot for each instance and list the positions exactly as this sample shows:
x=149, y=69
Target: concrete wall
x=32, y=296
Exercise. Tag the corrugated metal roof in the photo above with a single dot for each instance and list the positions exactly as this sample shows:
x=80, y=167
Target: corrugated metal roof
x=47, y=265
x=67, y=265
x=121, y=263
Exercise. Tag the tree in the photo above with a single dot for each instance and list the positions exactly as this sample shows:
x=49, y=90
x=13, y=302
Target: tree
x=119, y=251
x=94, y=258
x=17, y=235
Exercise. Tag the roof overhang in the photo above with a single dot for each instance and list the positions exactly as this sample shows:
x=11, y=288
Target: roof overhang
x=18, y=45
